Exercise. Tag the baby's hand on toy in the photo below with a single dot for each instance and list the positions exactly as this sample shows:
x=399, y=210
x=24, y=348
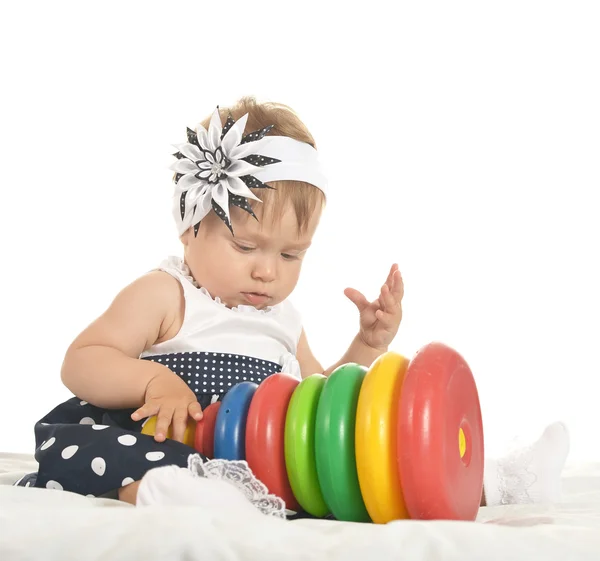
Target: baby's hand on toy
x=380, y=319
x=172, y=401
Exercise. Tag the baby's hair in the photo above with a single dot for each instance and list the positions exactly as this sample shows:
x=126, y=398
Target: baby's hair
x=304, y=197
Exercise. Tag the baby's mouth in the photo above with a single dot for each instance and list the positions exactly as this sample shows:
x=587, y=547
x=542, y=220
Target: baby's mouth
x=256, y=298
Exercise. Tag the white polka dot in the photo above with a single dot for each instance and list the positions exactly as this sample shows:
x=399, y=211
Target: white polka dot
x=127, y=439
x=90, y=496
x=54, y=485
x=83, y=403
x=87, y=421
x=98, y=466
x=48, y=443
x=126, y=481
x=99, y=427
x=28, y=484
x=69, y=451
x=155, y=456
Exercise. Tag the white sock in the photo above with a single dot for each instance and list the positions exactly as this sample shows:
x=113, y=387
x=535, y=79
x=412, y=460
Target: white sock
x=216, y=485
x=531, y=474
x=177, y=486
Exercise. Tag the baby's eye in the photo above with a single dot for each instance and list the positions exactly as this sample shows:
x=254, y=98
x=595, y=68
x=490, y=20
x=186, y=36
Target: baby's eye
x=244, y=248
x=289, y=257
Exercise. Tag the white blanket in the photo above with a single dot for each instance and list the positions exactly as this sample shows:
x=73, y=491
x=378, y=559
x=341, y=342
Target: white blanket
x=56, y=525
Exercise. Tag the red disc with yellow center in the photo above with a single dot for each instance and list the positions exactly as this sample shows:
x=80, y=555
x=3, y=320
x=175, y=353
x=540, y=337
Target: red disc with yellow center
x=440, y=437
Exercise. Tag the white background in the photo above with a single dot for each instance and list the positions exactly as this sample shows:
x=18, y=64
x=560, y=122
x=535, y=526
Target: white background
x=462, y=141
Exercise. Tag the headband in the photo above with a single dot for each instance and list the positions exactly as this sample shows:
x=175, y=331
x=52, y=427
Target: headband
x=215, y=168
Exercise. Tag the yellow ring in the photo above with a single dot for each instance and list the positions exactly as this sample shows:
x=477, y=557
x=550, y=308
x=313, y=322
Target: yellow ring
x=188, y=436
x=376, y=441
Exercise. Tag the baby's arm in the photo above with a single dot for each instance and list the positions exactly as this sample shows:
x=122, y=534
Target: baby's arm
x=358, y=352
x=379, y=322
x=102, y=365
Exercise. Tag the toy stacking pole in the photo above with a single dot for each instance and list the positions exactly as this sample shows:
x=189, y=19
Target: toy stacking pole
x=401, y=439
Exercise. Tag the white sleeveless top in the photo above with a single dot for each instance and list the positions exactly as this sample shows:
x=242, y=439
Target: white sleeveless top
x=209, y=326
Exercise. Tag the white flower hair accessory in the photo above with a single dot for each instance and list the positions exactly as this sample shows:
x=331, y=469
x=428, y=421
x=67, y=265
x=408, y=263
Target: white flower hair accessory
x=217, y=167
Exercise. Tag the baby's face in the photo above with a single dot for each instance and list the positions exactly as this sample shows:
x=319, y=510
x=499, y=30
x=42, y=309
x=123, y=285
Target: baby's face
x=259, y=267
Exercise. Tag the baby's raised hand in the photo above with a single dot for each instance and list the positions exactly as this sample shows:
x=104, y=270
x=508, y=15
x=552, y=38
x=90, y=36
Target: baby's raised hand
x=380, y=319
x=173, y=402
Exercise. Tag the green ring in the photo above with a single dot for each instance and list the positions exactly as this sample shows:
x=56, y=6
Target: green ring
x=334, y=444
x=299, y=445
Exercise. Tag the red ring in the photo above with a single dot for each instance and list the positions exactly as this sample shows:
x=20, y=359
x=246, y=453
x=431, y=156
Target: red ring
x=439, y=396
x=204, y=441
x=265, y=435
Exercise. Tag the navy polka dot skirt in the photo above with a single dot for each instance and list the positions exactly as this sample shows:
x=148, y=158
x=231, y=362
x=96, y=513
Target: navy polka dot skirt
x=94, y=451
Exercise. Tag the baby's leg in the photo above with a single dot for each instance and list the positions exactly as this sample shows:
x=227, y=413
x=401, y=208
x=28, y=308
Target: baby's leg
x=129, y=493
x=531, y=474
x=92, y=451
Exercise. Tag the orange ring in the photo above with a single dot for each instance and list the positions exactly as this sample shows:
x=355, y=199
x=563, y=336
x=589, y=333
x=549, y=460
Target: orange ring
x=376, y=439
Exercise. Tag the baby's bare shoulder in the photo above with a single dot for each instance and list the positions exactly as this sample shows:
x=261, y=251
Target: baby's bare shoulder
x=142, y=314
x=163, y=293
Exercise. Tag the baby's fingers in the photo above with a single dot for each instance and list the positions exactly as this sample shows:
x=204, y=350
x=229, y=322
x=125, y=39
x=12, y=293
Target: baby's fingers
x=390, y=278
x=163, y=422
x=195, y=411
x=146, y=410
x=180, y=421
x=389, y=302
x=397, y=285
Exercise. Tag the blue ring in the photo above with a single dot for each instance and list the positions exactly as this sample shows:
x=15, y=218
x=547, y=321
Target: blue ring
x=230, y=424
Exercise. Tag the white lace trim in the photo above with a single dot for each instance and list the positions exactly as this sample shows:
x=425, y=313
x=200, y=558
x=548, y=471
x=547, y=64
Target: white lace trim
x=239, y=474
x=178, y=264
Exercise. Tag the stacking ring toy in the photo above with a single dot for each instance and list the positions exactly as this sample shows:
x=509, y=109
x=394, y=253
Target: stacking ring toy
x=205, y=431
x=397, y=440
x=265, y=431
x=440, y=437
x=299, y=445
x=230, y=425
x=188, y=436
x=376, y=440
x=334, y=442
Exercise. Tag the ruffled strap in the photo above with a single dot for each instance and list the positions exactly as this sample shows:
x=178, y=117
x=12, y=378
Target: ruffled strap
x=290, y=365
x=178, y=266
